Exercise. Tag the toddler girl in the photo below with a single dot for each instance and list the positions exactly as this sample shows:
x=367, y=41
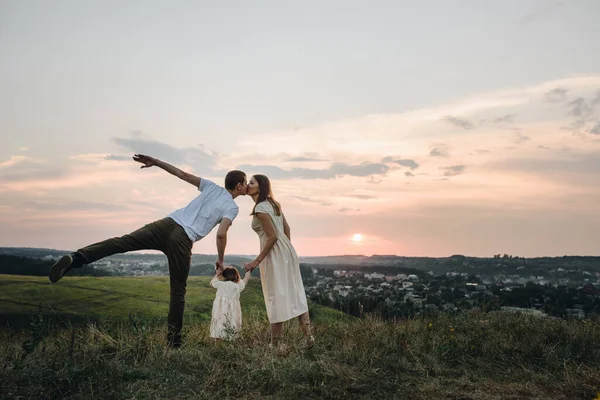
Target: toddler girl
x=226, y=319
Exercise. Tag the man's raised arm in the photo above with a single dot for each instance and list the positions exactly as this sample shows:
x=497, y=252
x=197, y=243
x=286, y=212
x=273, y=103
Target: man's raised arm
x=151, y=161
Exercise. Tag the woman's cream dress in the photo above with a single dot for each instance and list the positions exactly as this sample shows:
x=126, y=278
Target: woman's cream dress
x=280, y=271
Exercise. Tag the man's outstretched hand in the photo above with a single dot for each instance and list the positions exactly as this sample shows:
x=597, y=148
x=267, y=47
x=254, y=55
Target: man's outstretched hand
x=146, y=160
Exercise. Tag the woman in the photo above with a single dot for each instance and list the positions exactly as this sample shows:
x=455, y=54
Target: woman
x=279, y=267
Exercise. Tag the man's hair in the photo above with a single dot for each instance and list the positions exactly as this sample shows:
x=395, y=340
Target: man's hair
x=231, y=274
x=233, y=178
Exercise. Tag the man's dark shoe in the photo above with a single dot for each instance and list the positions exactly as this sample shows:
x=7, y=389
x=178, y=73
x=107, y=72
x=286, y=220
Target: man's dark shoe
x=175, y=345
x=174, y=341
x=64, y=265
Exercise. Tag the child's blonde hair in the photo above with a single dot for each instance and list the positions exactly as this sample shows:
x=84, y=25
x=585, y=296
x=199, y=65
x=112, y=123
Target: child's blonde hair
x=231, y=274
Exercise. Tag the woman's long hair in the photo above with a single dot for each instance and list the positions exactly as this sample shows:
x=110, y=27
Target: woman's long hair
x=265, y=193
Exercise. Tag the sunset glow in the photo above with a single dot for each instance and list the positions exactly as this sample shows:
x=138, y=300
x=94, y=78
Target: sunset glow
x=357, y=238
x=431, y=148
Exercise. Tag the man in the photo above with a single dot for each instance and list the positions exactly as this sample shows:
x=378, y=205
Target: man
x=173, y=235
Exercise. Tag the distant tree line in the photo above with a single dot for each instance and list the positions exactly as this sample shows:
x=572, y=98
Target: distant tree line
x=15, y=265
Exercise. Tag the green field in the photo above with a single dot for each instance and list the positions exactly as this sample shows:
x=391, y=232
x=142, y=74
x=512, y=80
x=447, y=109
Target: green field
x=97, y=299
x=469, y=356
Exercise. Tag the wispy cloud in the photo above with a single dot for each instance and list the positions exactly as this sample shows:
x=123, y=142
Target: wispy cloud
x=73, y=206
x=412, y=164
x=85, y=170
x=440, y=150
x=579, y=162
x=481, y=151
x=312, y=200
x=556, y=95
x=113, y=157
x=364, y=169
x=584, y=109
x=360, y=196
x=12, y=161
x=201, y=159
x=304, y=159
x=505, y=119
x=453, y=170
x=520, y=138
x=20, y=169
x=459, y=122
x=580, y=107
x=275, y=172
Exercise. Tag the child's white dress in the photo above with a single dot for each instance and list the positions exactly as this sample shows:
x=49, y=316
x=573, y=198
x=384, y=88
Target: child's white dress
x=226, y=319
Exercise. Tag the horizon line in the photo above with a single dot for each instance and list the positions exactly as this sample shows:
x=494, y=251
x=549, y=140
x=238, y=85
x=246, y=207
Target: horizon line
x=152, y=252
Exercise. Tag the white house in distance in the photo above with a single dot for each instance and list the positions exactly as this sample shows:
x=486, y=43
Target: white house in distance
x=374, y=275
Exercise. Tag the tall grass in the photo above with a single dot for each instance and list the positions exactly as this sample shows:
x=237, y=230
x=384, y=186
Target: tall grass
x=482, y=356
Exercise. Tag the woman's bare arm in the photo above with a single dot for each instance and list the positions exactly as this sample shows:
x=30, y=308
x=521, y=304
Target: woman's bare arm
x=269, y=229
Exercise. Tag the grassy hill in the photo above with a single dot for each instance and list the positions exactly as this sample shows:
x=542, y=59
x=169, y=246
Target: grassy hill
x=467, y=356
x=79, y=299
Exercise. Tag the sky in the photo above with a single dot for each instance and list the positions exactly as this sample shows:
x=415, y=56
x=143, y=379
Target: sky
x=430, y=128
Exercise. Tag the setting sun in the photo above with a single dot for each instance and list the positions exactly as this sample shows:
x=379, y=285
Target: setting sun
x=357, y=237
